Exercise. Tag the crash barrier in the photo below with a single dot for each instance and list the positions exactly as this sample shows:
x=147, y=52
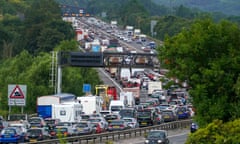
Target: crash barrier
x=118, y=135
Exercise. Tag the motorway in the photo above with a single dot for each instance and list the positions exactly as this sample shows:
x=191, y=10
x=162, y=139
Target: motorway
x=175, y=136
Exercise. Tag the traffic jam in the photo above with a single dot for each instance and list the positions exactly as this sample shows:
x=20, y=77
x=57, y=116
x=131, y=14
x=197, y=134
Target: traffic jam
x=142, y=101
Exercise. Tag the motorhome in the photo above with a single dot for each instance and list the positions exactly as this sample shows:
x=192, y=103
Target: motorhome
x=67, y=112
x=91, y=104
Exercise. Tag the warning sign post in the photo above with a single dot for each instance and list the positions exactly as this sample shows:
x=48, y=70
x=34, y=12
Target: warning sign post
x=17, y=95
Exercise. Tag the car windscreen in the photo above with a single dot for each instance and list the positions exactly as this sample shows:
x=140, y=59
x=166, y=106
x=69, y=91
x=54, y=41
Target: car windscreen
x=156, y=134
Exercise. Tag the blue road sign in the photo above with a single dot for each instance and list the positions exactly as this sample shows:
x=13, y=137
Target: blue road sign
x=86, y=88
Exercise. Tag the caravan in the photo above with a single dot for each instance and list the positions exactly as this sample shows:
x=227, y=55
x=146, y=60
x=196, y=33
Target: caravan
x=67, y=112
x=91, y=104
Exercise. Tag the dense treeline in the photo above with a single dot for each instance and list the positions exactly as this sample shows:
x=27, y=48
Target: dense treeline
x=207, y=56
x=30, y=31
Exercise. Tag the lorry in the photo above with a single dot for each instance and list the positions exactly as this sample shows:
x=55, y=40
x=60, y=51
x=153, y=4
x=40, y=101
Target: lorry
x=108, y=93
x=67, y=112
x=44, y=103
x=154, y=85
x=91, y=104
x=136, y=93
x=137, y=32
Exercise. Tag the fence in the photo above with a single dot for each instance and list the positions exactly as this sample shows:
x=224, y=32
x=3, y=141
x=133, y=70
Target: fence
x=117, y=135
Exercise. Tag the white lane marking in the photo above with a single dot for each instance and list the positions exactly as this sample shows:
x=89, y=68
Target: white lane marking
x=110, y=78
x=178, y=134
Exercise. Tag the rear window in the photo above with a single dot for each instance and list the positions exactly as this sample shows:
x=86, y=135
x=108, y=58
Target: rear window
x=35, y=120
x=82, y=125
x=111, y=116
x=17, y=117
x=34, y=131
x=8, y=131
x=85, y=116
x=61, y=130
x=64, y=124
x=117, y=122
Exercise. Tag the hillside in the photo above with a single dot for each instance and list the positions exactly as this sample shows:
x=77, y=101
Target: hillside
x=228, y=7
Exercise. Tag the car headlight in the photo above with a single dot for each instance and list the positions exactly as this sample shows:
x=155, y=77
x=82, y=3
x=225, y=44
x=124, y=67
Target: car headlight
x=146, y=141
x=159, y=141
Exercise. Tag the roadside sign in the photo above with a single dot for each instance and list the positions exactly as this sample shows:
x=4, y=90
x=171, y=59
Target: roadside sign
x=17, y=95
x=86, y=88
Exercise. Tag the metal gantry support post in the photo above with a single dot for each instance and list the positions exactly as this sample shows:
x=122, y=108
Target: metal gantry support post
x=59, y=75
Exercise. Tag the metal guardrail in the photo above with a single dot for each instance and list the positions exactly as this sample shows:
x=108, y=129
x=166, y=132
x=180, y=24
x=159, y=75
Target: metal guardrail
x=117, y=135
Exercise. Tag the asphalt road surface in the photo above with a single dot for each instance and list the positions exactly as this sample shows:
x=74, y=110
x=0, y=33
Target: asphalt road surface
x=175, y=137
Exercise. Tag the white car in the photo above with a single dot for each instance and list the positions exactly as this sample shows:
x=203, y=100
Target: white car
x=21, y=126
x=131, y=122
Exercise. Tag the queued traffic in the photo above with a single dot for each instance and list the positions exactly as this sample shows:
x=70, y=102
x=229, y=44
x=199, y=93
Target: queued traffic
x=153, y=111
x=142, y=102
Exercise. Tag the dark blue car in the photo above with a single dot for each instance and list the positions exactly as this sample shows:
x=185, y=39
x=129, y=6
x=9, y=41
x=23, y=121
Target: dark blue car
x=183, y=113
x=11, y=135
x=194, y=127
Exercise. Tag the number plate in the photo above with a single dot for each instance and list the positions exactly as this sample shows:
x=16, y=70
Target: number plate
x=33, y=140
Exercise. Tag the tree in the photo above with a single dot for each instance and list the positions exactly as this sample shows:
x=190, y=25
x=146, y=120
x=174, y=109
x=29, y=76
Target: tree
x=217, y=132
x=207, y=56
x=44, y=28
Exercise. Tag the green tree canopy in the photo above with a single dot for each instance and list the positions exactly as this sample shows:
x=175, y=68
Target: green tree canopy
x=217, y=132
x=207, y=56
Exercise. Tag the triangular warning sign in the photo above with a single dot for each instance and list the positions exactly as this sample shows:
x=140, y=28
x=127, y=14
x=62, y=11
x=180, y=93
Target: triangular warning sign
x=17, y=93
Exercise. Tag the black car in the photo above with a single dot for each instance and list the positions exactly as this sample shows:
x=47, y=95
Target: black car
x=157, y=137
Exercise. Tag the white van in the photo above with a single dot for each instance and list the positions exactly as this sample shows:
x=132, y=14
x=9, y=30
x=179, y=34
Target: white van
x=116, y=105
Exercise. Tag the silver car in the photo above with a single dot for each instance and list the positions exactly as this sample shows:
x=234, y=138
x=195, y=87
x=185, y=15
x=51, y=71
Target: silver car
x=131, y=122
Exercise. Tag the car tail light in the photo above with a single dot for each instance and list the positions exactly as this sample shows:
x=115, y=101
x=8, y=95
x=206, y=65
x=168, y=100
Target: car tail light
x=41, y=124
x=65, y=133
x=40, y=135
x=121, y=126
x=52, y=133
x=110, y=126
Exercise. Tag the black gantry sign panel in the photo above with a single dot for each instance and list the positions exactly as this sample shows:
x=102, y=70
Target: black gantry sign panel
x=91, y=59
